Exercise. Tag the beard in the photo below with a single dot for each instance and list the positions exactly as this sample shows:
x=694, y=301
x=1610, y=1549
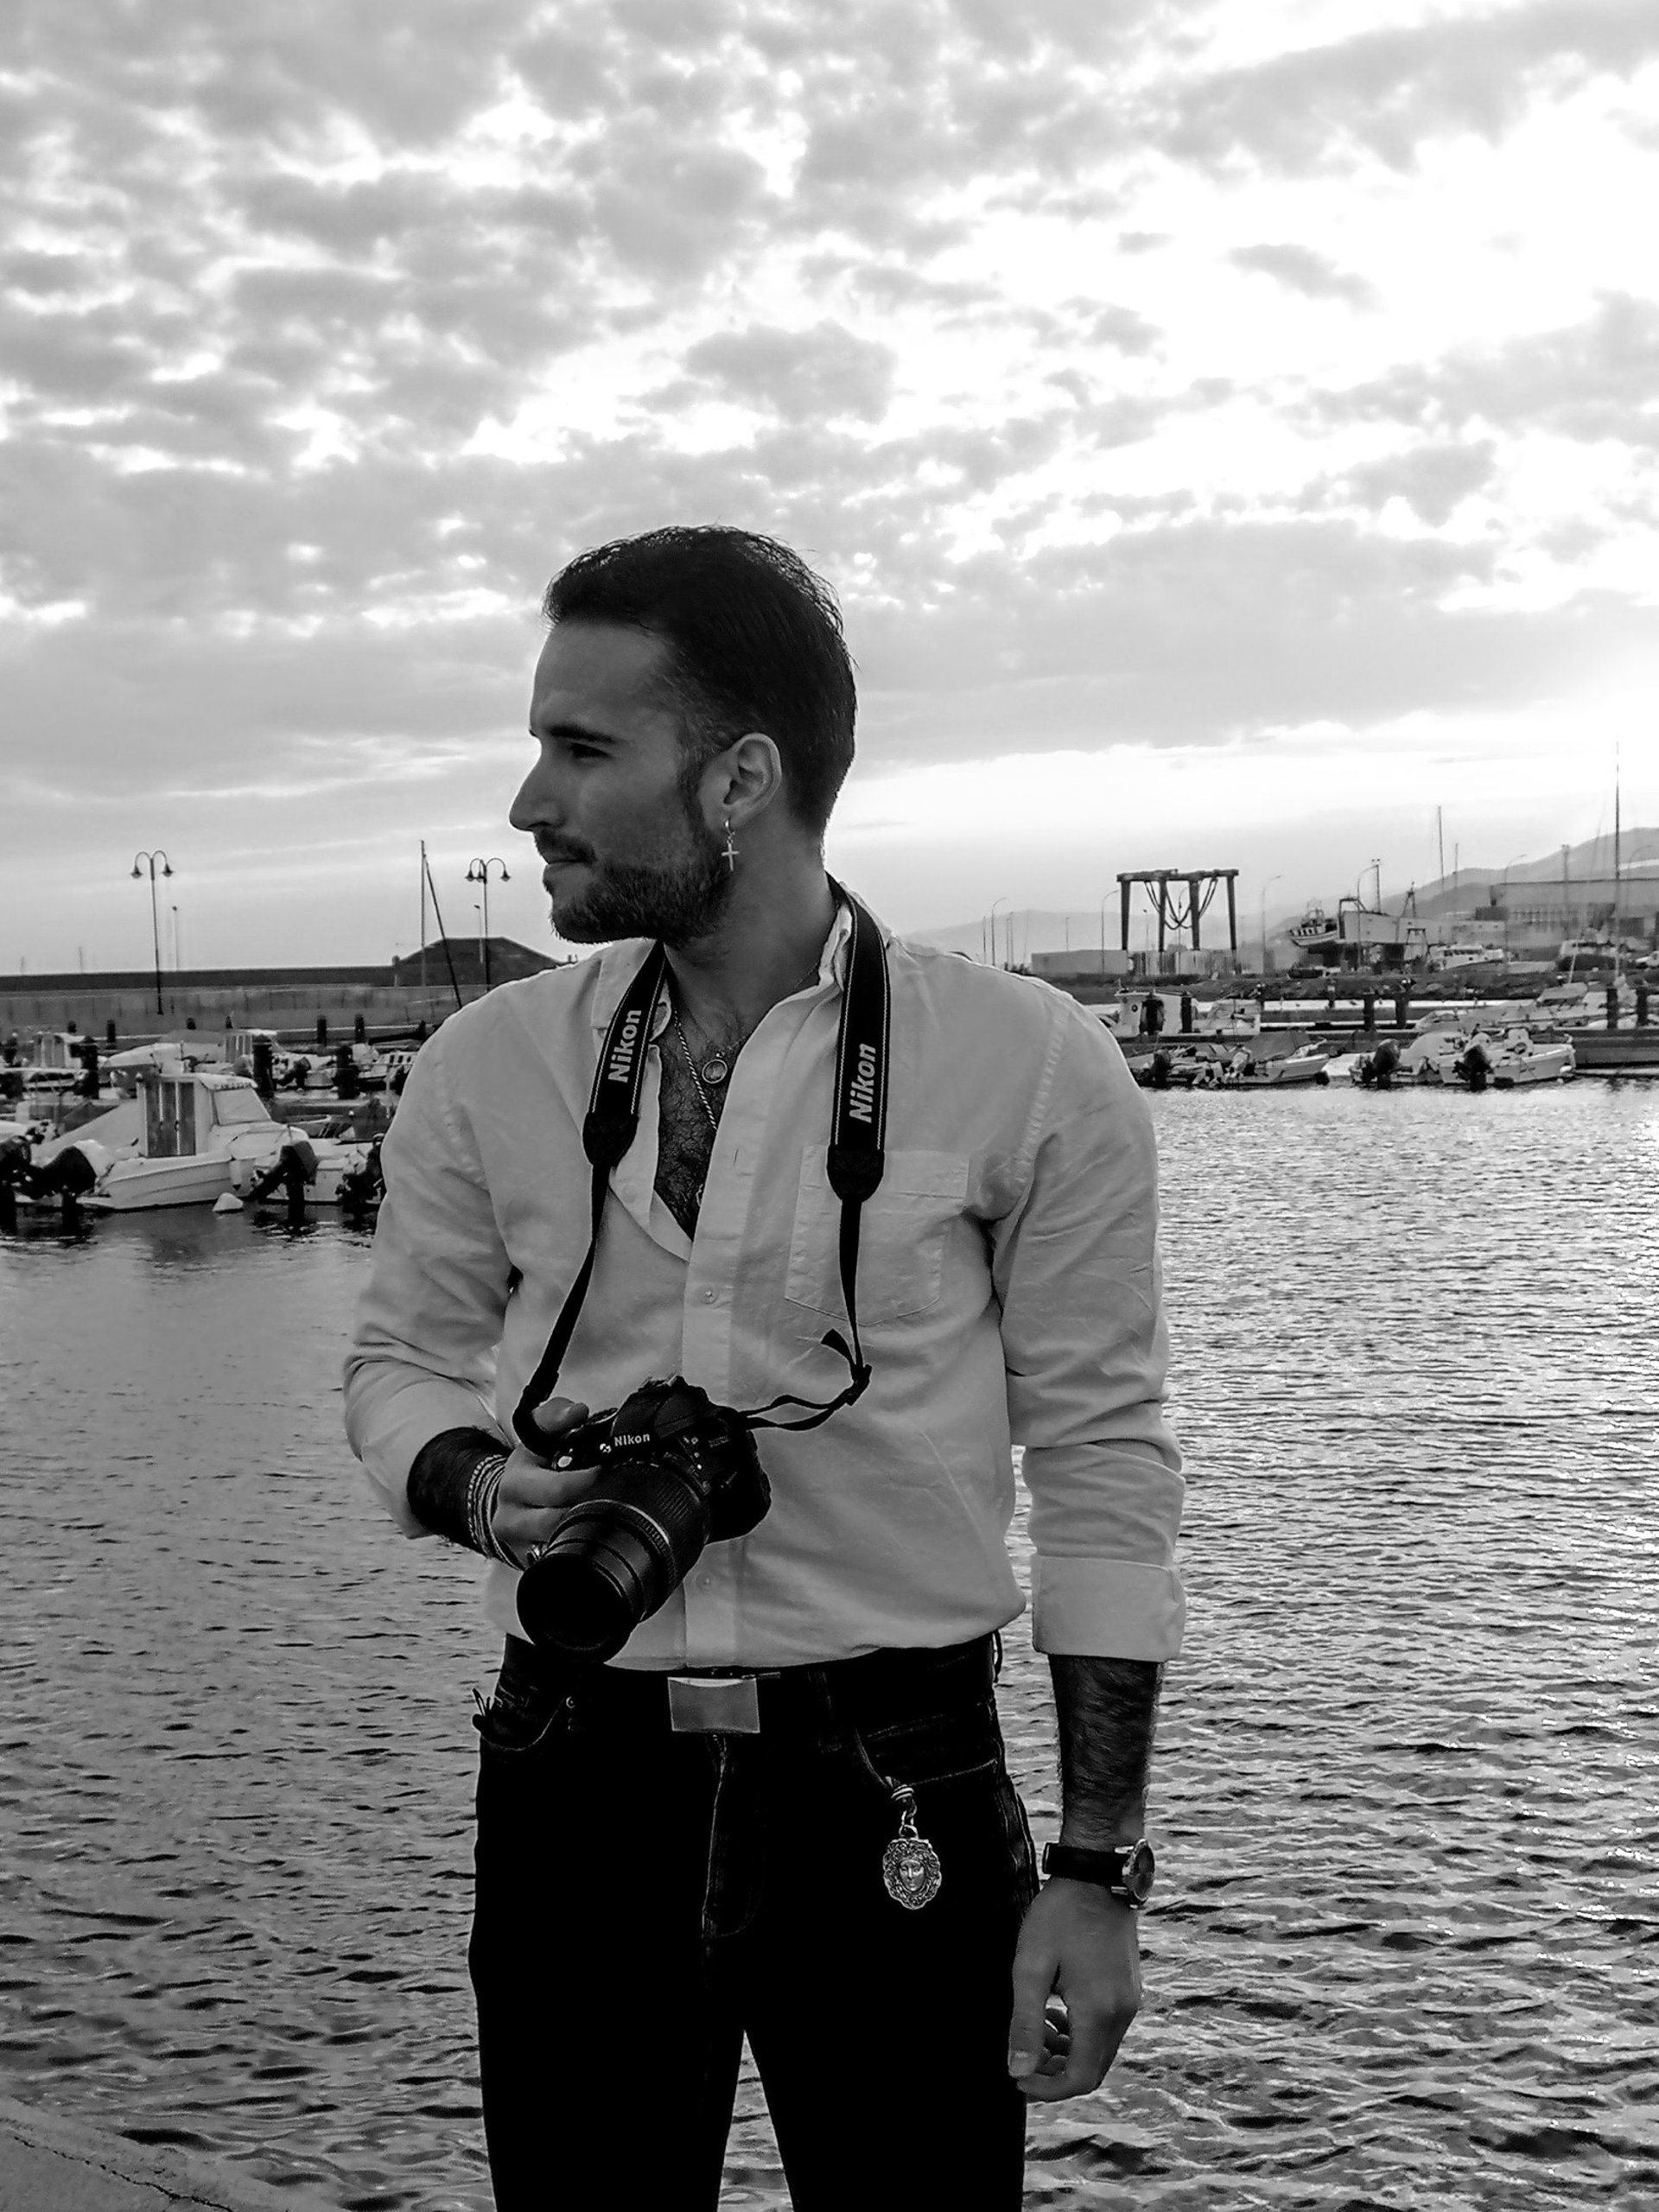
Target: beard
x=678, y=899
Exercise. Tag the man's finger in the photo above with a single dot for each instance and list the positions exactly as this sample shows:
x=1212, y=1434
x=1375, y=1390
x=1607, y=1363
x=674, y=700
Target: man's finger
x=555, y=1415
x=1097, y=2038
x=1033, y=1981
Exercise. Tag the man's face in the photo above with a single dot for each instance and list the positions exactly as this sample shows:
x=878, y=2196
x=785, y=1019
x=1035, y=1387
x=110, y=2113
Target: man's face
x=610, y=802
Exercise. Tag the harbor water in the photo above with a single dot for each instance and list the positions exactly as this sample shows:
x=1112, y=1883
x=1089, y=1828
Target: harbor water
x=1405, y=1950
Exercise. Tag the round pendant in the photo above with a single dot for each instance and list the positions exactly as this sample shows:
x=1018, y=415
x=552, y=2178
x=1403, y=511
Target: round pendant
x=715, y=1070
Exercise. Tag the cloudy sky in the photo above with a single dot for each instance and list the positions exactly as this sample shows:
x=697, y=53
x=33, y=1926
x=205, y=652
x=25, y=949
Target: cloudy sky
x=1231, y=430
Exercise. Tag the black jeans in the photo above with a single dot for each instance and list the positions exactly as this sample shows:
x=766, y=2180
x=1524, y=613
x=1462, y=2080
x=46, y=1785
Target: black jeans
x=646, y=1899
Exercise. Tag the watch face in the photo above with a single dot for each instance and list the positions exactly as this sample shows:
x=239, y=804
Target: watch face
x=1139, y=1867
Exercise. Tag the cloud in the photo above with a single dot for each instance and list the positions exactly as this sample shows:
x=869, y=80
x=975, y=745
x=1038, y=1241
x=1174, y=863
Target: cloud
x=1433, y=481
x=1300, y=270
x=1383, y=94
x=326, y=336
x=801, y=376
x=1594, y=378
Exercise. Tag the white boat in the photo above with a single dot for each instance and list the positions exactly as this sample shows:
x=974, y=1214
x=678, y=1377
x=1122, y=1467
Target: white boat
x=187, y=1139
x=1307, y=1064
x=1523, y=1058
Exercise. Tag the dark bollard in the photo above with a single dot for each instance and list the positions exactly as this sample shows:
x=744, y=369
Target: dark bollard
x=322, y=1032
x=1368, y=1010
x=109, y=1033
x=359, y=1031
x=1640, y=1006
x=346, y=1085
x=1186, y=1013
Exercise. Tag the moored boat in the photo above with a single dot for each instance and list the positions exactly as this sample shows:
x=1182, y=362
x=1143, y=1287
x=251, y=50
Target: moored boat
x=188, y=1139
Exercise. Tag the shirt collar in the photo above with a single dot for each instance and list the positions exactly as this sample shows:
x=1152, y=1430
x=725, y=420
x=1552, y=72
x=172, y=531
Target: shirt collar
x=621, y=962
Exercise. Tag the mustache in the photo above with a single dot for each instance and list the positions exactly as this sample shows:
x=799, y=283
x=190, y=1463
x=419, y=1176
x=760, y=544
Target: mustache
x=550, y=852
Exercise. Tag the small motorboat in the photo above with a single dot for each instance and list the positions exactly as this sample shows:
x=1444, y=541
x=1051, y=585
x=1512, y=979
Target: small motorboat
x=186, y=1140
x=1307, y=1064
x=1522, y=1058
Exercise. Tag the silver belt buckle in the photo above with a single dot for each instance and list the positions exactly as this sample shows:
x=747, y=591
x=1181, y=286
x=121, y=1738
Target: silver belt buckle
x=711, y=1705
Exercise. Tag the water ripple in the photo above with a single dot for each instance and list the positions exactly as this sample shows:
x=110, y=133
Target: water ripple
x=1408, y=1942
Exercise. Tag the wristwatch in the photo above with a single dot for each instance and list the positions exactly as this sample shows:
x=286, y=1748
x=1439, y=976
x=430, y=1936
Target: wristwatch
x=1126, y=1871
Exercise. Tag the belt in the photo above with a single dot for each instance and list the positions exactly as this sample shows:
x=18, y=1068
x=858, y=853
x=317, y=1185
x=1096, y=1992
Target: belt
x=876, y=1689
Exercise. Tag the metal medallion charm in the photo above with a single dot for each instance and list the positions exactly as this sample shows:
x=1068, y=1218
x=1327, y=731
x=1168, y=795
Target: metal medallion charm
x=910, y=1865
x=715, y=1070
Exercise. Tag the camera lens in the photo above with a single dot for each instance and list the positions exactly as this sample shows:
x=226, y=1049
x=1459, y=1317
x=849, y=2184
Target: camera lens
x=616, y=1556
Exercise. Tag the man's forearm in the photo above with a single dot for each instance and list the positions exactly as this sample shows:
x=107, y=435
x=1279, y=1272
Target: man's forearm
x=1106, y=1709
x=440, y=1482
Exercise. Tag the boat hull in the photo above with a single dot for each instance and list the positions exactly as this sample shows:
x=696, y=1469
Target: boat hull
x=138, y=1185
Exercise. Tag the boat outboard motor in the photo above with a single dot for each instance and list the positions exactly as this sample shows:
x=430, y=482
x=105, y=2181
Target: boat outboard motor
x=67, y=1178
x=1472, y=1066
x=1385, y=1065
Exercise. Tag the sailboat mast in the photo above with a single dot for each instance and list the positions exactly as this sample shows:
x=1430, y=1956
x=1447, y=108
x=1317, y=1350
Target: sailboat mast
x=423, y=929
x=1617, y=962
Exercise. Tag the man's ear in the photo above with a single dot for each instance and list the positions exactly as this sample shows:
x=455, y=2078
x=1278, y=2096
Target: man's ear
x=744, y=780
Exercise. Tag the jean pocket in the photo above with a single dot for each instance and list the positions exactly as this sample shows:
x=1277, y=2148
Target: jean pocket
x=954, y=1746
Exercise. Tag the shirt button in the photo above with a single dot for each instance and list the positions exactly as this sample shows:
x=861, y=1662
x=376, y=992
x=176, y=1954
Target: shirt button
x=705, y=1582
x=709, y=1295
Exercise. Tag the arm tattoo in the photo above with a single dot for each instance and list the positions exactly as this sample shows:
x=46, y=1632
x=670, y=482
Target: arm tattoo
x=438, y=1480
x=1106, y=1709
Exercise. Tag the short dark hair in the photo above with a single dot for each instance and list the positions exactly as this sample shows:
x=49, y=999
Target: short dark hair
x=756, y=639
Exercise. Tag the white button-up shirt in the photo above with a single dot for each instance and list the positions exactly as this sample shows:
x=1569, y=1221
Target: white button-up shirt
x=1007, y=1291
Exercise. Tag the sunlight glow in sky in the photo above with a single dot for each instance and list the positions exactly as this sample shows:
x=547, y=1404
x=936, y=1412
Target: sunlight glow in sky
x=1232, y=432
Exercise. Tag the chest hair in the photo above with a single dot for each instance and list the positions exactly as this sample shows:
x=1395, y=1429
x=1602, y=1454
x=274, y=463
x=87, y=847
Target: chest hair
x=684, y=1139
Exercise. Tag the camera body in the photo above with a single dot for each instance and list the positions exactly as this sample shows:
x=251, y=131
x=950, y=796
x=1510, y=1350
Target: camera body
x=678, y=1471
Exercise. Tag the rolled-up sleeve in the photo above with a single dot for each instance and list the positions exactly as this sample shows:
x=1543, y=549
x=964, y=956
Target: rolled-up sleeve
x=423, y=1346
x=1075, y=1266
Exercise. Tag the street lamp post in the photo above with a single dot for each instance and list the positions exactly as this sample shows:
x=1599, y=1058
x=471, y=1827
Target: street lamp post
x=1508, y=865
x=479, y=872
x=155, y=913
x=1002, y=900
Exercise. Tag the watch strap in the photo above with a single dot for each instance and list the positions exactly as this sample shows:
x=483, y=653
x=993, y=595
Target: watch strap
x=1106, y=1869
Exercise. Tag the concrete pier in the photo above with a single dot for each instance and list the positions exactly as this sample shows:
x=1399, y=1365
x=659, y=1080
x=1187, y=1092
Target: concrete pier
x=52, y=2165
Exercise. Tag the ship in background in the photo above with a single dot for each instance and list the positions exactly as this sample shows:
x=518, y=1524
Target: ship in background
x=1357, y=935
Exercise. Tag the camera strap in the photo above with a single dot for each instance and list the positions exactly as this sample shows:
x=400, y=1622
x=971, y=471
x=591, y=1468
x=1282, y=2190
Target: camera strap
x=856, y=1155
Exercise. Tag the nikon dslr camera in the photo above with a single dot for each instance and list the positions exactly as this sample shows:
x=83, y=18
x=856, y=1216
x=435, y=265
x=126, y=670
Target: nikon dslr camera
x=677, y=1473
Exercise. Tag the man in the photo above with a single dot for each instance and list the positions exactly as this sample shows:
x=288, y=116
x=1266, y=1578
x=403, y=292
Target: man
x=782, y=1810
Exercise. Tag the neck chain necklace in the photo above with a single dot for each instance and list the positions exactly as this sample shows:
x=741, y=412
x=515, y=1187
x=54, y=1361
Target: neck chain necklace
x=711, y=1073
x=697, y=1080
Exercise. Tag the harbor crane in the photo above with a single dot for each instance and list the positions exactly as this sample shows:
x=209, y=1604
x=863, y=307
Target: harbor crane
x=1178, y=900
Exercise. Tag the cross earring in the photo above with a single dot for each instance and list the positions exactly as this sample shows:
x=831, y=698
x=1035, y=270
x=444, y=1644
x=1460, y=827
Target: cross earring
x=729, y=855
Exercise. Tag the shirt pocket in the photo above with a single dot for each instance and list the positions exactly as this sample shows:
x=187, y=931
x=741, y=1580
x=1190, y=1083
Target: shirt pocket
x=901, y=1236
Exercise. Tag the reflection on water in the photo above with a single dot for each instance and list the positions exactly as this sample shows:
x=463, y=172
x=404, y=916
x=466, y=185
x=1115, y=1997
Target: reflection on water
x=1407, y=1941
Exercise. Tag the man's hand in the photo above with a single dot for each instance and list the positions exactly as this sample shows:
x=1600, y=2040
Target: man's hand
x=533, y=1495
x=1079, y=1943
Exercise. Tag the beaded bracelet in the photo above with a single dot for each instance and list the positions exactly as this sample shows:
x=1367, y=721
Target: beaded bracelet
x=482, y=1492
